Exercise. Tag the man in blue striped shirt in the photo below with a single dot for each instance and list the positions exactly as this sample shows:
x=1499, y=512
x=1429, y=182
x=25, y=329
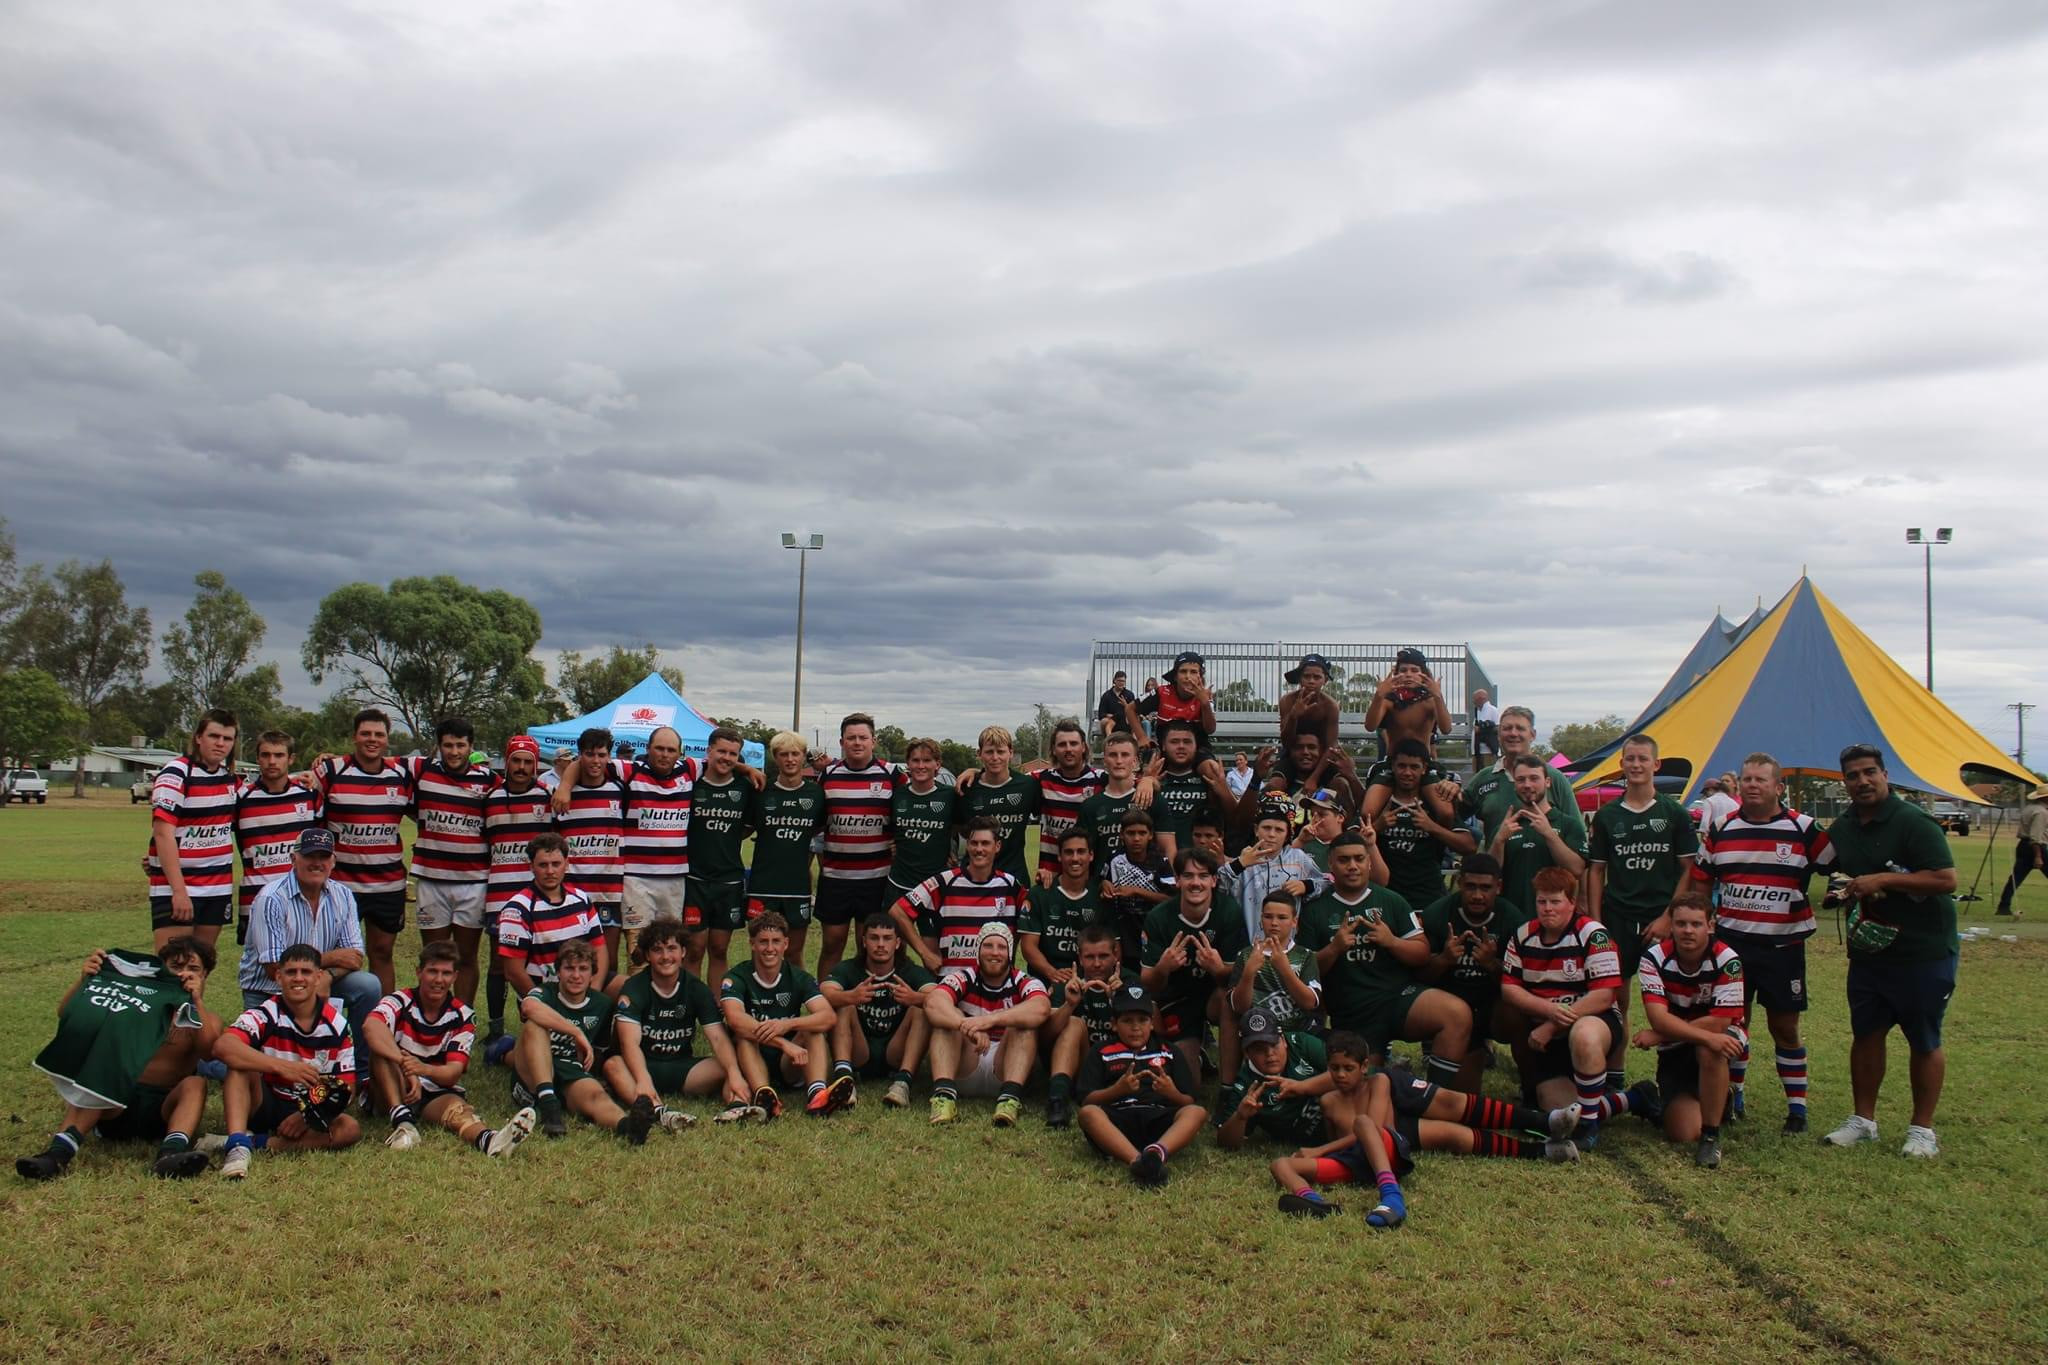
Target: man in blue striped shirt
x=307, y=906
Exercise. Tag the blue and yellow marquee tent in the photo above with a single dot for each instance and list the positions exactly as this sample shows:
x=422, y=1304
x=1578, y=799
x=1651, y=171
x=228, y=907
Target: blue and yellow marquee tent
x=1802, y=684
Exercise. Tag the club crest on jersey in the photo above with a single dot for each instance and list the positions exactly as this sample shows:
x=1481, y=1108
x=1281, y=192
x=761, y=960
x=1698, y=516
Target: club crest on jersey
x=391, y=791
x=1784, y=853
x=878, y=789
x=1658, y=825
x=782, y=997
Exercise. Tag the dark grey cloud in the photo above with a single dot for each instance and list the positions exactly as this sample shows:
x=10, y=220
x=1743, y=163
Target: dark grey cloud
x=1547, y=327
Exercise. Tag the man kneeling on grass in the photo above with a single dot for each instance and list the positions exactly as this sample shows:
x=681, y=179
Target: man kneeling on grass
x=654, y=1033
x=1692, y=994
x=986, y=1019
x=419, y=1042
x=878, y=997
x=1413, y=1115
x=125, y=1008
x=1137, y=1098
x=769, y=1003
x=568, y=1029
x=291, y=1069
x=1278, y=1092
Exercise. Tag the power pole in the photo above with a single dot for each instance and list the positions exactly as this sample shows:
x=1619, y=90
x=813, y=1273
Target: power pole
x=2020, y=709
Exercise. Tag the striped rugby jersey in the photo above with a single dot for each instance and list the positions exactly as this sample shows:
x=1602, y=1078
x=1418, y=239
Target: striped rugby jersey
x=593, y=825
x=448, y=810
x=656, y=842
x=362, y=808
x=199, y=806
x=1583, y=959
x=1759, y=870
x=1711, y=990
x=857, y=820
x=952, y=907
x=430, y=1042
x=1112, y=1059
x=267, y=829
x=511, y=819
x=967, y=989
x=538, y=927
x=271, y=1030
x=1059, y=808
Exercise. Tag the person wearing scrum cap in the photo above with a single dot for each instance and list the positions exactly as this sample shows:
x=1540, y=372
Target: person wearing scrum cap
x=985, y=1021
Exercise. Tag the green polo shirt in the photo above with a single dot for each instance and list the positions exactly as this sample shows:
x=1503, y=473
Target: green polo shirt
x=1491, y=794
x=1900, y=838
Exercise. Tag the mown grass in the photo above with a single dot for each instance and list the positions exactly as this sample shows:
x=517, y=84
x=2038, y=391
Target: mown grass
x=874, y=1236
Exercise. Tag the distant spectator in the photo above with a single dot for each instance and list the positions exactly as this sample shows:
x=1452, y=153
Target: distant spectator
x=1109, y=711
x=1485, y=727
x=1240, y=775
x=2030, y=854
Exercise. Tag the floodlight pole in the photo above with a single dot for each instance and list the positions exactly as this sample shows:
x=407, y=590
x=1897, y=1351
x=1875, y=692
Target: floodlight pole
x=1939, y=536
x=803, y=548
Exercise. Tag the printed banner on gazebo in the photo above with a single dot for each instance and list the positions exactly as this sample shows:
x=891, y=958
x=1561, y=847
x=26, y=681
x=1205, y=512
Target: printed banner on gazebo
x=638, y=714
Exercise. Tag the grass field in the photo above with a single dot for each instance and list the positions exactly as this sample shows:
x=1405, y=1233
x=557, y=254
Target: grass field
x=873, y=1237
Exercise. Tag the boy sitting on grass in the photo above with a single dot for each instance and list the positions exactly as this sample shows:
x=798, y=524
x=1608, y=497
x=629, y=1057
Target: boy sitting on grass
x=568, y=1029
x=130, y=1033
x=1137, y=1097
x=655, y=1026
x=291, y=1069
x=769, y=1004
x=418, y=1042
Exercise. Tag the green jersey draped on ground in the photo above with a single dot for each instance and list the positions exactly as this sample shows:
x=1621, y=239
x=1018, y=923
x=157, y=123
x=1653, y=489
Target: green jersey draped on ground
x=112, y=1027
x=1058, y=919
x=883, y=1015
x=669, y=1024
x=1013, y=806
x=783, y=998
x=922, y=823
x=1642, y=850
x=718, y=829
x=785, y=820
x=1298, y=1121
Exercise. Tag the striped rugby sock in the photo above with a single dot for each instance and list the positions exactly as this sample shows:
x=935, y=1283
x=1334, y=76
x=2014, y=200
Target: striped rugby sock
x=1792, y=1074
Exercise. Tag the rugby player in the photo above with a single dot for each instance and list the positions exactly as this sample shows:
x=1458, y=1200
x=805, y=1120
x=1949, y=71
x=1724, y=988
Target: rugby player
x=773, y=1005
x=941, y=918
x=1692, y=996
x=450, y=859
x=1081, y=1016
x=788, y=815
x=363, y=798
x=985, y=1019
x=1048, y=930
x=878, y=998
x=1536, y=832
x=567, y=1034
x=514, y=812
x=1276, y=974
x=270, y=813
x=853, y=870
x=539, y=921
x=418, y=1043
x=660, y=1014
x=190, y=859
x=292, y=1066
x=1190, y=942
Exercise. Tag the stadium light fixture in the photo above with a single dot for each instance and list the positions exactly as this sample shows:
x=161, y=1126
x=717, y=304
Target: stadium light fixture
x=1941, y=535
x=803, y=545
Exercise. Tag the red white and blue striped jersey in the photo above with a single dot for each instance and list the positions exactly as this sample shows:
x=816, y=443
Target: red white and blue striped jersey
x=1583, y=959
x=363, y=808
x=857, y=820
x=267, y=829
x=199, y=806
x=657, y=838
x=1711, y=990
x=1059, y=808
x=448, y=808
x=1759, y=870
x=952, y=907
x=511, y=819
x=538, y=927
x=594, y=825
x=271, y=1030
x=434, y=1041
x=973, y=994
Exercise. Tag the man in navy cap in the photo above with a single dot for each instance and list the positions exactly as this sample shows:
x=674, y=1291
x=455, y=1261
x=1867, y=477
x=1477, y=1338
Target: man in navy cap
x=307, y=906
x=1137, y=1094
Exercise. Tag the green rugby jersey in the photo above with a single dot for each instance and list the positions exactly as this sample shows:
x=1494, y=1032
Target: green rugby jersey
x=922, y=823
x=1102, y=819
x=1058, y=919
x=1415, y=857
x=1013, y=806
x=785, y=820
x=783, y=998
x=1298, y=1121
x=1642, y=851
x=881, y=1016
x=668, y=1024
x=1174, y=806
x=1269, y=993
x=592, y=1014
x=718, y=829
x=1367, y=975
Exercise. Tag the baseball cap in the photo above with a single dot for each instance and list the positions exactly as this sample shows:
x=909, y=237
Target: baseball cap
x=995, y=929
x=1132, y=999
x=1411, y=655
x=522, y=744
x=1259, y=1026
x=1293, y=675
x=1322, y=797
x=1187, y=656
x=316, y=841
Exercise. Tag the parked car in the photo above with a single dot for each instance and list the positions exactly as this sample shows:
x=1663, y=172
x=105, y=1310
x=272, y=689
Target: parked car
x=1953, y=816
x=26, y=785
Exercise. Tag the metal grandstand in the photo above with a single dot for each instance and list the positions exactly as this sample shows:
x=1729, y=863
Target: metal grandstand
x=1247, y=679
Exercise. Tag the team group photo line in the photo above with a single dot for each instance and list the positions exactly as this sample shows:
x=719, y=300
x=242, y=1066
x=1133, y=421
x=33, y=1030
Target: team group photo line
x=1202, y=947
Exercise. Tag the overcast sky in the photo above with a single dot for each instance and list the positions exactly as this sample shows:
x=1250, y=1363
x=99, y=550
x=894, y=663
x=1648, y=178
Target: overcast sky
x=1546, y=326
